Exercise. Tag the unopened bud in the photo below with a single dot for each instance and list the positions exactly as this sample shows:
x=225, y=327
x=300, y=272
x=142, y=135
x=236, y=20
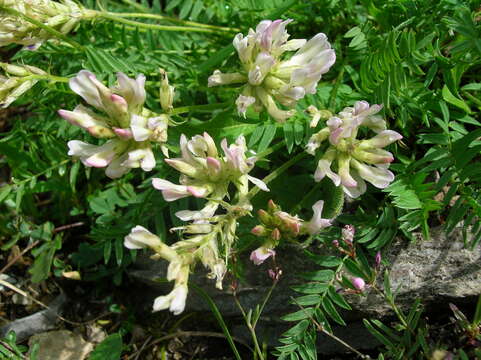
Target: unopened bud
x=259, y=230
x=378, y=259
x=264, y=216
x=335, y=243
x=166, y=91
x=272, y=207
x=358, y=283
x=276, y=234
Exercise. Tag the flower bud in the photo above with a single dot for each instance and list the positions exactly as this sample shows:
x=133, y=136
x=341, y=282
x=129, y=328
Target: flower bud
x=259, y=230
x=264, y=216
x=378, y=259
x=166, y=92
x=358, y=283
x=276, y=234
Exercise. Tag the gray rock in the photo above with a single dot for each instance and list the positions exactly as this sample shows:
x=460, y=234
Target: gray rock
x=36, y=323
x=436, y=270
x=61, y=345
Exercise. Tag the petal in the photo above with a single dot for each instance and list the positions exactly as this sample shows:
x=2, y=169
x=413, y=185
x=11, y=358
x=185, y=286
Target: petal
x=140, y=238
x=258, y=182
x=379, y=177
x=170, y=191
x=179, y=296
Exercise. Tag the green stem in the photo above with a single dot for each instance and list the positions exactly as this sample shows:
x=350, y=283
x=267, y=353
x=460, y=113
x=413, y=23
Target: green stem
x=250, y=327
x=277, y=172
x=266, y=299
x=116, y=17
x=41, y=25
x=47, y=77
x=334, y=206
x=332, y=98
x=175, y=20
x=194, y=108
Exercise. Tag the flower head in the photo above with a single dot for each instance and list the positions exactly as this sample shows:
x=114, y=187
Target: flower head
x=356, y=160
x=119, y=115
x=205, y=172
x=62, y=16
x=269, y=76
x=16, y=82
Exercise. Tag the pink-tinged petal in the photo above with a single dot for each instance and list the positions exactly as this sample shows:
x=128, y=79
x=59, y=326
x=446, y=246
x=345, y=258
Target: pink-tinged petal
x=261, y=254
x=358, y=190
x=324, y=169
x=119, y=102
x=123, y=133
x=170, y=191
x=198, y=191
x=335, y=136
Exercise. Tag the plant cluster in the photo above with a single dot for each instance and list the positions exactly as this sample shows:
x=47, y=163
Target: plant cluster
x=192, y=138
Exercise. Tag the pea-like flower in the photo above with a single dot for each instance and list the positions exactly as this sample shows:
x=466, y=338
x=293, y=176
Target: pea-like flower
x=204, y=172
x=118, y=115
x=269, y=76
x=62, y=16
x=18, y=80
x=355, y=161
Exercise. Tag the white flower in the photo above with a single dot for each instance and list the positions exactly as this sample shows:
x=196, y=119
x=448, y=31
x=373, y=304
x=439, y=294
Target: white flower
x=174, y=301
x=121, y=117
x=205, y=172
x=317, y=222
x=357, y=161
x=268, y=77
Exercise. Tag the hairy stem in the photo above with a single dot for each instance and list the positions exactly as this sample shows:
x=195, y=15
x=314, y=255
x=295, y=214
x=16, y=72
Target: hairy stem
x=117, y=18
x=174, y=20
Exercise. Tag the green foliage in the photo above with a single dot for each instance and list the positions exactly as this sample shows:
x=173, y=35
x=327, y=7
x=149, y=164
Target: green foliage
x=109, y=349
x=423, y=69
x=11, y=351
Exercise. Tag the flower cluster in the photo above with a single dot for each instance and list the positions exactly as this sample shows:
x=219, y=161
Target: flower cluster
x=178, y=270
x=277, y=224
x=205, y=173
x=268, y=77
x=17, y=81
x=120, y=117
x=356, y=160
x=61, y=16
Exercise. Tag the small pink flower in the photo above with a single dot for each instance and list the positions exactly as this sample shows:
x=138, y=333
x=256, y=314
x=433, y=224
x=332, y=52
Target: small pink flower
x=378, y=259
x=358, y=283
x=259, y=255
